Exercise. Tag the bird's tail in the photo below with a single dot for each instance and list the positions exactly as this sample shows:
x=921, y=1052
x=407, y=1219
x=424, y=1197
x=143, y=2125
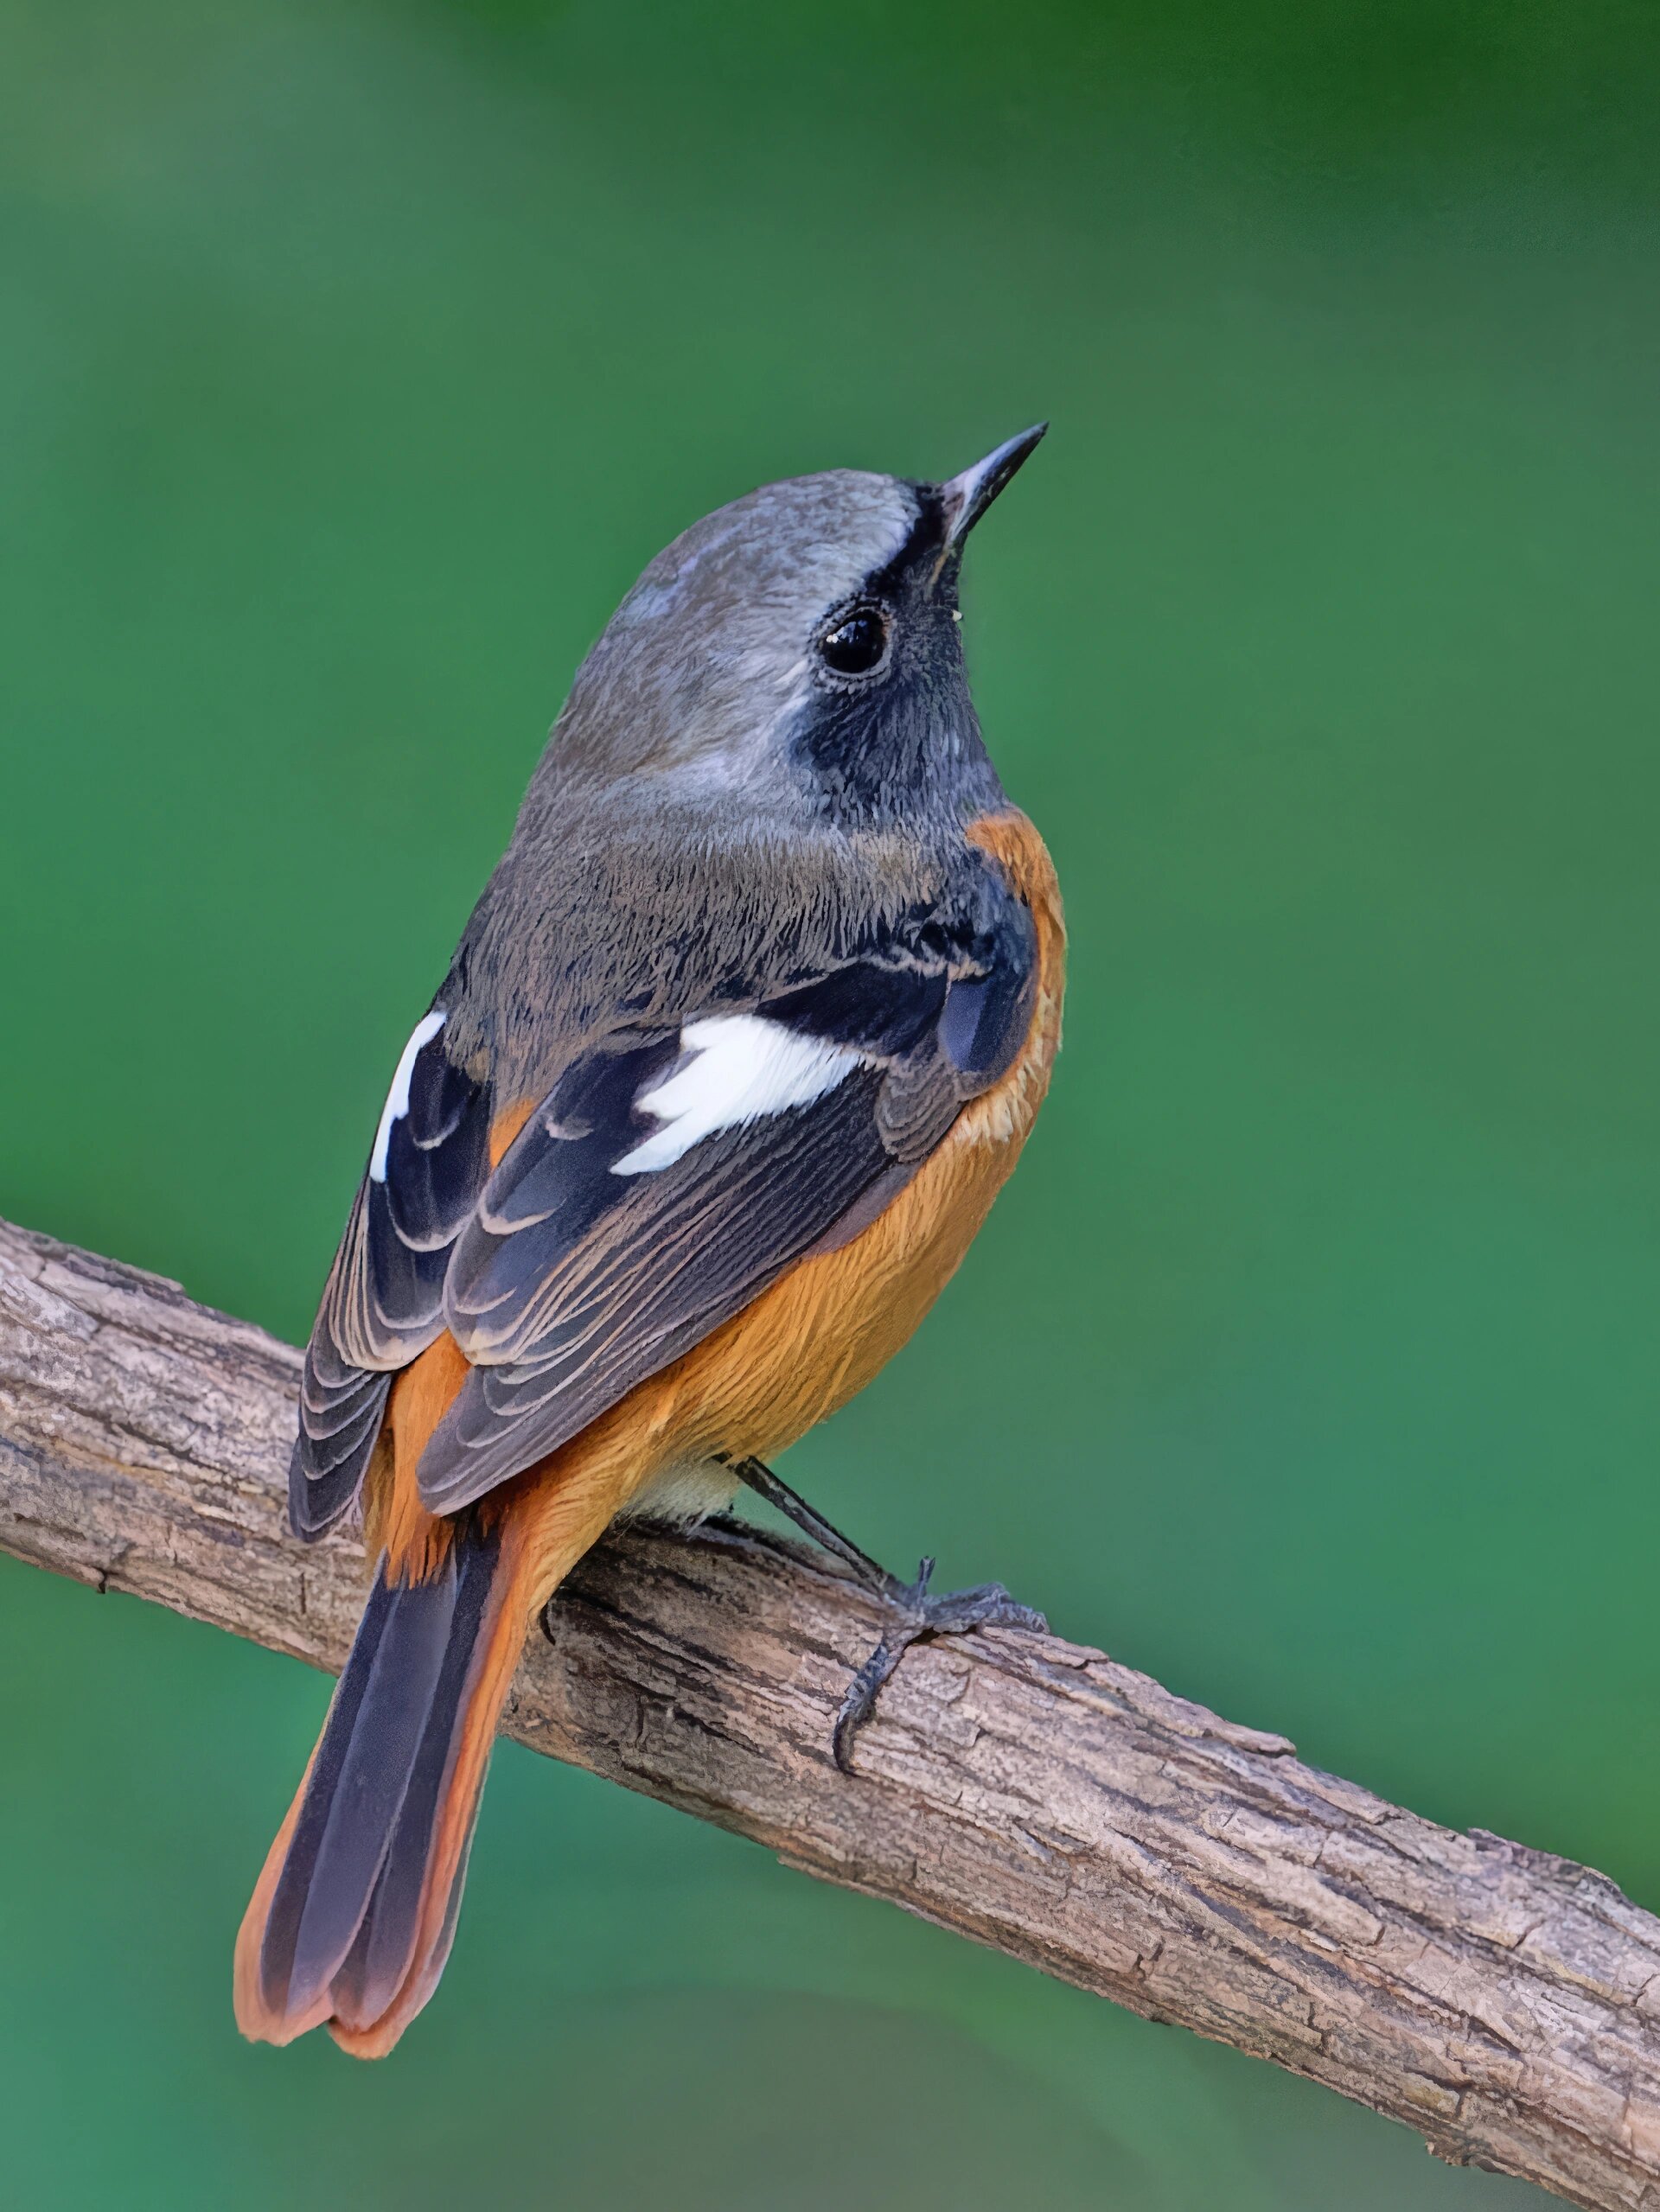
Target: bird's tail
x=353, y=1917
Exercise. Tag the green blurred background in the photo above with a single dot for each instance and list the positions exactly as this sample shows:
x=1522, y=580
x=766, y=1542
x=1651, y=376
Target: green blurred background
x=356, y=357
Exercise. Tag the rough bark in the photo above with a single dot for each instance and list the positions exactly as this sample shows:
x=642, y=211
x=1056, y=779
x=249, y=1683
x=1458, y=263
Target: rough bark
x=1021, y=1791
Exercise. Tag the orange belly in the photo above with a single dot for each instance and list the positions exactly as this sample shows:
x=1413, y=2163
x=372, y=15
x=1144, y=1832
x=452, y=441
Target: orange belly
x=800, y=1350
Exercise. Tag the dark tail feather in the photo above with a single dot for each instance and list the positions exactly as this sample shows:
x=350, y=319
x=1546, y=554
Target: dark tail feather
x=352, y=1919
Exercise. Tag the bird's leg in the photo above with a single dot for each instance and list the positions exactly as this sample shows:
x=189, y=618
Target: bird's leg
x=986, y=1605
x=760, y=1478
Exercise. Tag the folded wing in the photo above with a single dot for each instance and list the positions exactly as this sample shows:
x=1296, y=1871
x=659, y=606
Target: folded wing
x=673, y=1171
x=671, y=1175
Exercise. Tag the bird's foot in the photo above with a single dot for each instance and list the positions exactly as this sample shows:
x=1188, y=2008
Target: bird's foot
x=917, y=1614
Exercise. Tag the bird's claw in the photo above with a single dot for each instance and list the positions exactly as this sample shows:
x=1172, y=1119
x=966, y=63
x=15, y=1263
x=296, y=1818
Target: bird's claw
x=987, y=1605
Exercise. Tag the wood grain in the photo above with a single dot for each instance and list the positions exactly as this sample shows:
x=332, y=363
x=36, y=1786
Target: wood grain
x=1019, y=1790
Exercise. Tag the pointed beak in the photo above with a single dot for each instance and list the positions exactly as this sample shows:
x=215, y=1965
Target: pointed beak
x=967, y=497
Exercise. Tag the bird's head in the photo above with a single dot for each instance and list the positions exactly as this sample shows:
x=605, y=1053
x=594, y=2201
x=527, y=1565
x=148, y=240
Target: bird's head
x=800, y=650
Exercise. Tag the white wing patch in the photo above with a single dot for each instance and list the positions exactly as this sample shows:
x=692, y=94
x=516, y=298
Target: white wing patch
x=397, y=1105
x=743, y=1068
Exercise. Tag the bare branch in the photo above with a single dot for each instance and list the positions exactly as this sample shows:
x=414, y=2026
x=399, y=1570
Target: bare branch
x=1027, y=1793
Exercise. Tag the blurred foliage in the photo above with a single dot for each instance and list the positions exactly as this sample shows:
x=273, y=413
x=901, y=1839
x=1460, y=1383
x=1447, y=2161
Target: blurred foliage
x=353, y=359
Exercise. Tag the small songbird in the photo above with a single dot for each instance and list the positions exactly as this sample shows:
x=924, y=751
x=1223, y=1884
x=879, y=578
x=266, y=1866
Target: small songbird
x=738, y=1045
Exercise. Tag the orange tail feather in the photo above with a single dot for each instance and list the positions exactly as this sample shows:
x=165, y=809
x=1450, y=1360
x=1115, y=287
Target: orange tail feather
x=353, y=1915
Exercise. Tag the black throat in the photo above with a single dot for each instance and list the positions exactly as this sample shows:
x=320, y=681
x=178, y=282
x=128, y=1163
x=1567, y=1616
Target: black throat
x=906, y=744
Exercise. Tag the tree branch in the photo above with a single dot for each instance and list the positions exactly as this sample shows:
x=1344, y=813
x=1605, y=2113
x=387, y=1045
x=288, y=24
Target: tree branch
x=1025, y=1792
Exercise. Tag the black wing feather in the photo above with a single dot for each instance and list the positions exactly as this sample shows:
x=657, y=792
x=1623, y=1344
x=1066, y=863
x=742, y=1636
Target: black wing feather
x=675, y=1255
x=384, y=1302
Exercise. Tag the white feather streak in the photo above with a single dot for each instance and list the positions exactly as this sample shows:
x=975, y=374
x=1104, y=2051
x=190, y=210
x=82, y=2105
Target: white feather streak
x=743, y=1068
x=397, y=1105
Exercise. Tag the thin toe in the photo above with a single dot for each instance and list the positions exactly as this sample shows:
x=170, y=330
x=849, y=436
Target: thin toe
x=956, y=1613
x=863, y=1691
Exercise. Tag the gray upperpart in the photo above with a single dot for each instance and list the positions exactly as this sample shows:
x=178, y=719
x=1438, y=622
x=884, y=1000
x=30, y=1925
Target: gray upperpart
x=707, y=660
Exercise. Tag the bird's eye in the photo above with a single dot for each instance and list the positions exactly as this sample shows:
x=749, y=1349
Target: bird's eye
x=856, y=643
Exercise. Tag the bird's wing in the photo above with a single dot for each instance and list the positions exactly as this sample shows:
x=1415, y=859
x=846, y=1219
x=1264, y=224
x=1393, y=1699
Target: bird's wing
x=673, y=1173
x=383, y=1299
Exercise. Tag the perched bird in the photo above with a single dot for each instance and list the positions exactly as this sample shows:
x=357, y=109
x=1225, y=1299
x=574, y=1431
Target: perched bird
x=740, y=1042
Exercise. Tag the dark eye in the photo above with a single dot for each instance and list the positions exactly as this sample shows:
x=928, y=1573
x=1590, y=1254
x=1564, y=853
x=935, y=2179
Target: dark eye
x=856, y=643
